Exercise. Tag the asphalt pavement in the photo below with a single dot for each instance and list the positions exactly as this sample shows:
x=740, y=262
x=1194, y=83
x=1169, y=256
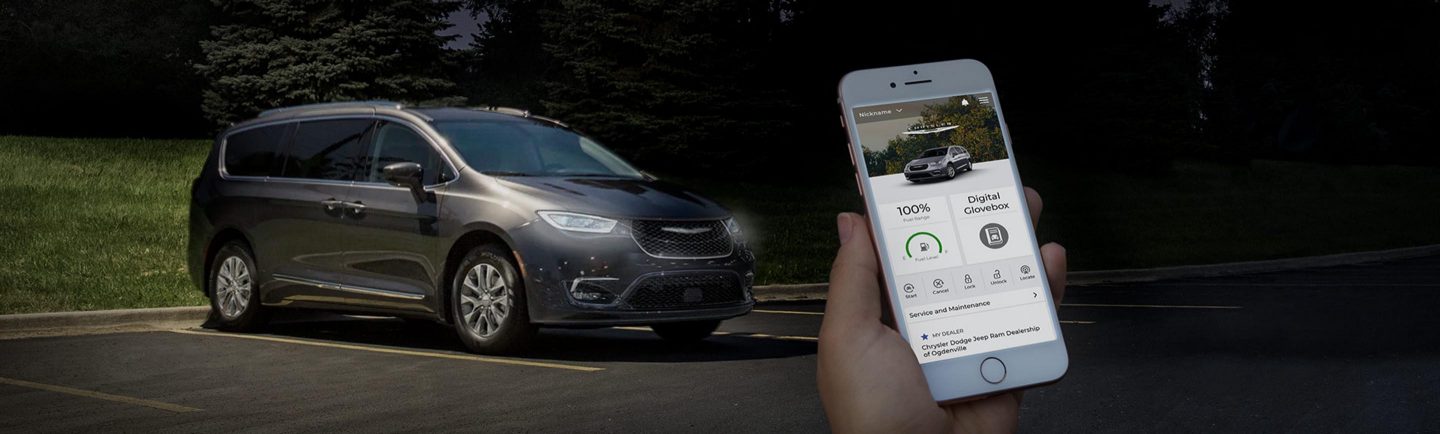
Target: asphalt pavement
x=1350, y=348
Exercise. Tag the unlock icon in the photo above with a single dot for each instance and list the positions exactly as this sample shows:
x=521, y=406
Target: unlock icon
x=997, y=274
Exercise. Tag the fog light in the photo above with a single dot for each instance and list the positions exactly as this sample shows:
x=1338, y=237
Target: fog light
x=593, y=290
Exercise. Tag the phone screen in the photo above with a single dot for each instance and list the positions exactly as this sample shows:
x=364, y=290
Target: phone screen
x=959, y=248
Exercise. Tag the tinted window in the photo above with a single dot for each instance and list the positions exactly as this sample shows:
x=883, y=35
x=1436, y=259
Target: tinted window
x=396, y=143
x=524, y=148
x=937, y=152
x=253, y=152
x=327, y=149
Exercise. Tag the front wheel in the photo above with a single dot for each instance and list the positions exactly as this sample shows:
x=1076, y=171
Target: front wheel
x=683, y=332
x=950, y=172
x=234, y=294
x=488, y=303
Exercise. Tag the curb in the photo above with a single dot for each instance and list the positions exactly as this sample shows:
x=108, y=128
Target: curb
x=99, y=321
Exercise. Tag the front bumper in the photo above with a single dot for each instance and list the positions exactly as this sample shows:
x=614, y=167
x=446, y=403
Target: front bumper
x=644, y=289
x=925, y=174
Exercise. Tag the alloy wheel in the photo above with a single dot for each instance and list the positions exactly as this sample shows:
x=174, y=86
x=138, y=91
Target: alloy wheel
x=485, y=300
x=232, y=287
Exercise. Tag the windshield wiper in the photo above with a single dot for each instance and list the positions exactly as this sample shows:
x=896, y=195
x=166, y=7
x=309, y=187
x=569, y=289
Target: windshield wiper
x=595, y=175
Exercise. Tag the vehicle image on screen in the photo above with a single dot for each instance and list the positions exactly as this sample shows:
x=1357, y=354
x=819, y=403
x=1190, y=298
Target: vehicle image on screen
x=491, y=220
x=938, y=163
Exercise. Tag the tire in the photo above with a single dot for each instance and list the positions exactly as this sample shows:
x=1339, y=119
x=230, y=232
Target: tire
x=686, y=332
x=234, y=290
x=488, y=279
x=950, y=172
x=969, y=165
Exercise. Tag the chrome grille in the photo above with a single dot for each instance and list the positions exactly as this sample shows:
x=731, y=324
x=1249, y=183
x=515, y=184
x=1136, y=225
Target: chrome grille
x=682, y=239
x=685, y=291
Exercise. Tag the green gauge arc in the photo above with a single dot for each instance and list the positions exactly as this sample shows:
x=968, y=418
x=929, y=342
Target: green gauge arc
x=938, y=245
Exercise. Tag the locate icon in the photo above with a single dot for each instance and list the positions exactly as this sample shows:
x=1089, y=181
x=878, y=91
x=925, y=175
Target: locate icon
x=994, y=236
x=1024, y=269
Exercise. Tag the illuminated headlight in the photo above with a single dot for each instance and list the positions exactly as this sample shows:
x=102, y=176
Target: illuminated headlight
x=569, y=221
x=732, y=226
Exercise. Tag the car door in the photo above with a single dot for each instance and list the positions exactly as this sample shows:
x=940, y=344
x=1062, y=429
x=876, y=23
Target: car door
x=397, y=259
x=300, y=229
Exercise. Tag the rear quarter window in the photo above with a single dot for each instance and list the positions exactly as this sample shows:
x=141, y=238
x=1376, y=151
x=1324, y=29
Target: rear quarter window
x=253, y=152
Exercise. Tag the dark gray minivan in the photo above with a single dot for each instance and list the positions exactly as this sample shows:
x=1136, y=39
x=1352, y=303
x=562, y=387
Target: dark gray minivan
x=491, y=220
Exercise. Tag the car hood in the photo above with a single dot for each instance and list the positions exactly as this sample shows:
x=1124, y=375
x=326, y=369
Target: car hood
x=926, y=160
x=615, y=197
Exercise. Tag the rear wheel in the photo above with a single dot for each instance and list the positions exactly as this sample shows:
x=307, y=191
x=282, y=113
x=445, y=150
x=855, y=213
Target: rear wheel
x=234, y=292
x=682, y=332
x=969, y=165
x=487, y=303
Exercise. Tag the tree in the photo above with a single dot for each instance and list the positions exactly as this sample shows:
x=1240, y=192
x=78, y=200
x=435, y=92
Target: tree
x=664, y=79
x=977, y=128
x=271, y=53
x=128, y=59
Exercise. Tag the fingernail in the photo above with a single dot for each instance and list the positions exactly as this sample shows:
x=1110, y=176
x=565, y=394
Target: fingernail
x=845, y=226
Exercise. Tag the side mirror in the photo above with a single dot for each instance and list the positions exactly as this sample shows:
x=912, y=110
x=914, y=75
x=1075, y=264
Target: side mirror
x=403, y=174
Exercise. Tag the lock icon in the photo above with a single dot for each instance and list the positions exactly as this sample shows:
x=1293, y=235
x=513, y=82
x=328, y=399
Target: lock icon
x=967, y=279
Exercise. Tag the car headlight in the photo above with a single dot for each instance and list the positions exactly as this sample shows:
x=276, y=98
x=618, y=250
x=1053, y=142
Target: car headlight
x=732, y=226
x=575, y=222
x=934, y=165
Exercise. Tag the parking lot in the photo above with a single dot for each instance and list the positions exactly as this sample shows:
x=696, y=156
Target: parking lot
x=1352, y=348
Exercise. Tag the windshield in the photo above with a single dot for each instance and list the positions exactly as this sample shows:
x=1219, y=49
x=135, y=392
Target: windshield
x=511, y=148
x=933, y=153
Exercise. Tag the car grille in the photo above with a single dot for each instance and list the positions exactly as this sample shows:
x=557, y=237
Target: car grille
x=682, y=240
x=918, y=167
x=686, y=291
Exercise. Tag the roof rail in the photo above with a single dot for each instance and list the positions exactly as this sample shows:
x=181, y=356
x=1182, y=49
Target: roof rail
x=341, y=104
x=519, y=112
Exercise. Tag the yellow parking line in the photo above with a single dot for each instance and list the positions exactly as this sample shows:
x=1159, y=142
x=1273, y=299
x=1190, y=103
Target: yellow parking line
x=398, y=351
x=788, y=312
x=99, y=395
x=1158, y=306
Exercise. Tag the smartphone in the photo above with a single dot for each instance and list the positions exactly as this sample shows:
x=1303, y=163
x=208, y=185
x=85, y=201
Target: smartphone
x=948, y=216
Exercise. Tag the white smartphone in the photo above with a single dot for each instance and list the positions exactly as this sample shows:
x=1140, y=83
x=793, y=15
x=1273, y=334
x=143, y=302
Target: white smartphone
x=951, y=227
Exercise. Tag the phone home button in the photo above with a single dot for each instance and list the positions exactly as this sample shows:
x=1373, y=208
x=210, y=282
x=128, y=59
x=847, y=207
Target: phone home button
x=992, y=370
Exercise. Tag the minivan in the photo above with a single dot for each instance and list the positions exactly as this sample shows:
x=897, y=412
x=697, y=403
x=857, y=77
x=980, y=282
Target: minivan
x=493, y=221
x=937, y=163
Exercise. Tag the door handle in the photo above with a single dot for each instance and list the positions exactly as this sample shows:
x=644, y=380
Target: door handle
x=356, y=209
x=331, y=205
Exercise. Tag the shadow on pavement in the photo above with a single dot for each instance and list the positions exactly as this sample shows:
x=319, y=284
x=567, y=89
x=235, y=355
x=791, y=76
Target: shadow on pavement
x=587, y=345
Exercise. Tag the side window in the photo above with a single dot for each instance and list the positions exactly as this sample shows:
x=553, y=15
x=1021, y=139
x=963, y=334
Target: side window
x=253, y=152
x=397, y=143
x=330, y=149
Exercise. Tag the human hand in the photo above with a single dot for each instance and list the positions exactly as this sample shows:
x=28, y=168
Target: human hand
x=869, y=378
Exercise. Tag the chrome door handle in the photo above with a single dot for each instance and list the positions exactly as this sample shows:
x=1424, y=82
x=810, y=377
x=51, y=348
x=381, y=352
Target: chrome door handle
x=331, y=205
x=356, y=209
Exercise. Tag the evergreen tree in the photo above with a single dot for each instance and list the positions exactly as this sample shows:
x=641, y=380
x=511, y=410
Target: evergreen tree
x=271, y=53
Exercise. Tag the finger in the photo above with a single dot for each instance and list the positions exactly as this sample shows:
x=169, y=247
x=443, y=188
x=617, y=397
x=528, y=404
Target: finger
x=1054, y=256
x=854, y=293
x=1032, y=199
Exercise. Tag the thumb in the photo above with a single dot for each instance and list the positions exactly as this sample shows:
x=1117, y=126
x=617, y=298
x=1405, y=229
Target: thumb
x=855, y=288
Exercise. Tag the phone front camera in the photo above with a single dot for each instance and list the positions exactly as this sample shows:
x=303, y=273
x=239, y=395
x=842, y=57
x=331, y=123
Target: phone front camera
x=892, y=85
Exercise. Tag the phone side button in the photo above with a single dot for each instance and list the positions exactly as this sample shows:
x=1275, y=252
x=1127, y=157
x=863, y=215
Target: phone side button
x=992, y=370
x=858, y=187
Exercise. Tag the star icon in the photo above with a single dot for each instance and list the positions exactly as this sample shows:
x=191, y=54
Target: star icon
x=924, y=337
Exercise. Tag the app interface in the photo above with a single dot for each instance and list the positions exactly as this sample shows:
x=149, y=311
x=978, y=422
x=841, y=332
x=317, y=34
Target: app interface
x=951, y=227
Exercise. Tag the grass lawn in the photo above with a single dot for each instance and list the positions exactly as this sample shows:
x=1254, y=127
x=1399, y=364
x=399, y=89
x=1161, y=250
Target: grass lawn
x=100, y=223
x=95, y=224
